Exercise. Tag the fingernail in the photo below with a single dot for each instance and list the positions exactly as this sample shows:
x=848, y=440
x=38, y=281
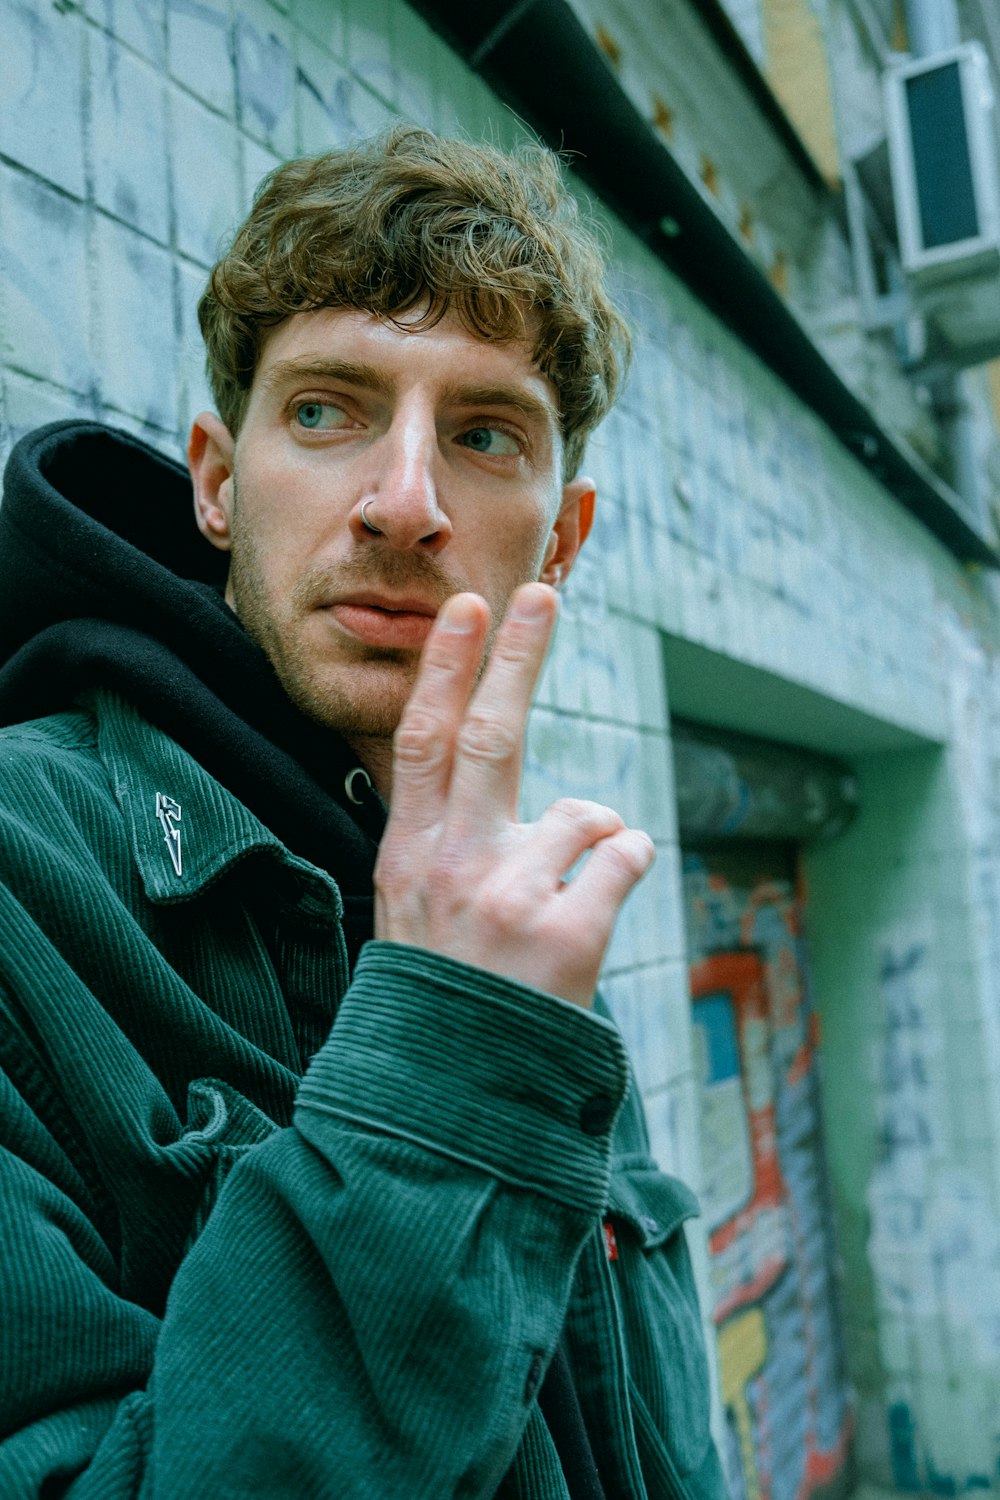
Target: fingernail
x=531, y=604
x=648, y=847
x=460, y=615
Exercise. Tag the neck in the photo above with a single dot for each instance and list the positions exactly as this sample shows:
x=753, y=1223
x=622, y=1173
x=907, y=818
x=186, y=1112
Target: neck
x=375, y=754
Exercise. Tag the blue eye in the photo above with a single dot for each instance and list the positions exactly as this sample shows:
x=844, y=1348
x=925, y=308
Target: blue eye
x=319, y=414
x=491, y=440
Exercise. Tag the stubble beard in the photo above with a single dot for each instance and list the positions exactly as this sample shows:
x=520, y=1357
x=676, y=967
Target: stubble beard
x=362, y=695
x=357, y=690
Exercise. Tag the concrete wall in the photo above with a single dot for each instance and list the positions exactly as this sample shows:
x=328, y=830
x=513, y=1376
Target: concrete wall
x=737, y=543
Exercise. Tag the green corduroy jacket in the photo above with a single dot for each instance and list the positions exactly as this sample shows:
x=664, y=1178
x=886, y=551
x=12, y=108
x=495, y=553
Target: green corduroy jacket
x=269, y=1233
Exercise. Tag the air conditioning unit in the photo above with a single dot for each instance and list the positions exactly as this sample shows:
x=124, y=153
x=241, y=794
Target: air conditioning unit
x=945, y=169
x=945, y=166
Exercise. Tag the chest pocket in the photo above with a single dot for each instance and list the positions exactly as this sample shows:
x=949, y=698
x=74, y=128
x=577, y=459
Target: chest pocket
x=668, y=1370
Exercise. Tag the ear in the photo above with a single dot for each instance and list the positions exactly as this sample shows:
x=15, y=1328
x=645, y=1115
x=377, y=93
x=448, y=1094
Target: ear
x=575, y=518
x=210, y=460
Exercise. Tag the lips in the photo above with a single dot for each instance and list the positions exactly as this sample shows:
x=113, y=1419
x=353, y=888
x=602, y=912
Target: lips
x=402, y=623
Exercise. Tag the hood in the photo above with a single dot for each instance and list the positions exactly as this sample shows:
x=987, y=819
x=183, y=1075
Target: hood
x=97, y=524
x=106, y=581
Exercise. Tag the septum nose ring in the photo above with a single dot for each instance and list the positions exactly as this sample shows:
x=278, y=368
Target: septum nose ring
x=368, y=525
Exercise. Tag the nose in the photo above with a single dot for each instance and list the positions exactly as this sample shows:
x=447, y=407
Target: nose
x=400, y=499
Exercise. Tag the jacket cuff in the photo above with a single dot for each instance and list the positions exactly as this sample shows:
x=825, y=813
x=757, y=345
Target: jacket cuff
x=507, y=1078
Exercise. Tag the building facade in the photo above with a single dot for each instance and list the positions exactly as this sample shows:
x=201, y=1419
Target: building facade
x=778, y=653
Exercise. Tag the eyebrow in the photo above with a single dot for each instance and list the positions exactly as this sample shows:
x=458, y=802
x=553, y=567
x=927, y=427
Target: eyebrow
x=370, y=378
x=534, y=408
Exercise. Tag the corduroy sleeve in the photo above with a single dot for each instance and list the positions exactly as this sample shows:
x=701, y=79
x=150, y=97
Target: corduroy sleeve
x=372, y=1302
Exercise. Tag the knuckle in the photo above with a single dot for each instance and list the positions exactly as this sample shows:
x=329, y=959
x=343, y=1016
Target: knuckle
x=514, y=646
x=486, y=737
x=570, y=809
x=580, y=813
x=418, y=738
x=448, y=872
x=628, y=856
x=509, y=916
x=621, y=859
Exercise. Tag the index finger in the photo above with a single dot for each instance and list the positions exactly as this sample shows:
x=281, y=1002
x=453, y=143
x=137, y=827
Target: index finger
x=423, y=746
x=486, y=775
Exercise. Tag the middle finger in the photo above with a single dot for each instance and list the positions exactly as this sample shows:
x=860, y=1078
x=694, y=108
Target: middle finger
x=424, y=742
x=486, y=772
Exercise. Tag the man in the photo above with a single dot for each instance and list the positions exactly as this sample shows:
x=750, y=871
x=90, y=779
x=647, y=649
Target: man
x=284, y=1217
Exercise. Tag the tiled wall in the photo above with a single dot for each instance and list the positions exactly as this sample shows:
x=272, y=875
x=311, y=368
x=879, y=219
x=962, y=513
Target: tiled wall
x=731, y=523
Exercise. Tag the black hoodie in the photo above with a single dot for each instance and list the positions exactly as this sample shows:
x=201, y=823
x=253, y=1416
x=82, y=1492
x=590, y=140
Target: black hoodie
x=105, y=581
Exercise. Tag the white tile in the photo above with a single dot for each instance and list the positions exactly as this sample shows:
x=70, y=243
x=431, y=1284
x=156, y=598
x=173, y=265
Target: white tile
x=956, y=1446
x=168, y=443
x=366, y=112
x=128, y=155
x=653, y=1012
x=621, y=671
x=137, y=323
x=604, y=566
x=895, y=1344
x=44, y=286
x=586, y=672
x=605, y=773
x=28, y=404
x=650, y=927
x=205, y=173
x=552, y=740
x=265, y=77
x=200, y=50
x=673, y=1118
x=140, y=24
x=368, y=44
x=323, y=21
x=41, y=92
x=629, y=770
x=323, y=90
x=256, y=162
x=194, y=394
x=424, y=62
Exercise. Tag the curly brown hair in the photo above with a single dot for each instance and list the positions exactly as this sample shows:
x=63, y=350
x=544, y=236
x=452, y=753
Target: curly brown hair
x=409, y=219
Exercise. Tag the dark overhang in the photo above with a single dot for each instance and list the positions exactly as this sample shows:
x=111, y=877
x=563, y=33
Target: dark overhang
x=537, y=56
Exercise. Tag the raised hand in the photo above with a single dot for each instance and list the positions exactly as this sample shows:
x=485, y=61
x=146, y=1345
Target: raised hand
x=457, y=873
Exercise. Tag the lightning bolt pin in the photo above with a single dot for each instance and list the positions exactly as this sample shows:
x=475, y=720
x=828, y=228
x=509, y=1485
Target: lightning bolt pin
x=168, y=811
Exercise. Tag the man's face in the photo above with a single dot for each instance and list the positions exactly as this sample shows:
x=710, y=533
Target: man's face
x=453, y=446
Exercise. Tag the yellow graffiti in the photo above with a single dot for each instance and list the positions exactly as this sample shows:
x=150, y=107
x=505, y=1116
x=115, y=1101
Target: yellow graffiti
x=742, y=1352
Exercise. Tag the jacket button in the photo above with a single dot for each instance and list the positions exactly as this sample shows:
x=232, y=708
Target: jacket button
x=596, y=1114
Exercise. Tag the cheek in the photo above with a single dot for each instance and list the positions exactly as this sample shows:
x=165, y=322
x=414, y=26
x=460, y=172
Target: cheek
x=269, y=516
x=518, y=555
x=520, y=537
x=543, y=541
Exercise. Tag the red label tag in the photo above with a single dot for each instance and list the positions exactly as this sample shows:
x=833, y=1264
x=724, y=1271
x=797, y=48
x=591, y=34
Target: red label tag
x=610, y=1243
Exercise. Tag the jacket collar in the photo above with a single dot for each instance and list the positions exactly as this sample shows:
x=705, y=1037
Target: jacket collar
x=185, y=829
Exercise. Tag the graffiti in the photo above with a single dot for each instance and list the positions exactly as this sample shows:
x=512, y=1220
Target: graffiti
x=743, y=1191
x=789, y=1417
x=742, y=1354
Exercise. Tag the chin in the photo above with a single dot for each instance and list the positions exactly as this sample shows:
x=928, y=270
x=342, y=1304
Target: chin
x=360, y=702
